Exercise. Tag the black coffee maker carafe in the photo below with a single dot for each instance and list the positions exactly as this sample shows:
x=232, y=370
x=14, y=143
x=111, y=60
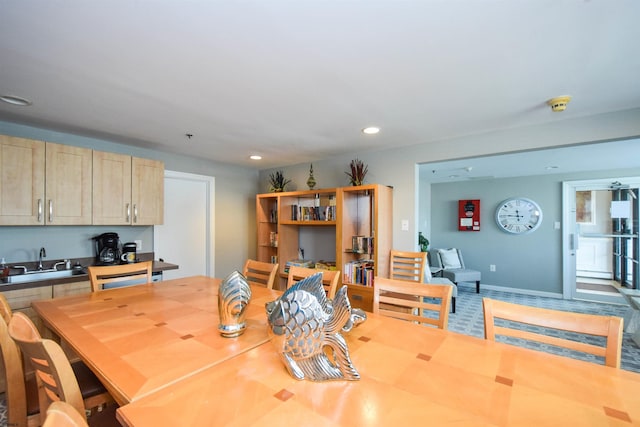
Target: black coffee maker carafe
x=107, y=248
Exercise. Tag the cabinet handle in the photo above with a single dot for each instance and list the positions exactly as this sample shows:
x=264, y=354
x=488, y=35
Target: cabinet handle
x=128, y=213
x=39, y=210
x=50, y=210
x=135, y=213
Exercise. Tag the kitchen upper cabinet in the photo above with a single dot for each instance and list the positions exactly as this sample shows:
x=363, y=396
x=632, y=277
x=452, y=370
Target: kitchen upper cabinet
x=127, y=190
x=147, y=191
x=68, y=185
x=22, y=179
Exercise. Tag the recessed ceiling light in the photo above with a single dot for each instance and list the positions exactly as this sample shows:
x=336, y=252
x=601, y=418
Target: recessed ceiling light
x=372, y=130
x=551, y=167
x=15, y=100
x=255, y=157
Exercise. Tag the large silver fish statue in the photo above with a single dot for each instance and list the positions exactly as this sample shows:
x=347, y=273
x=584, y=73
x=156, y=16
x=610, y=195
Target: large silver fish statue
x=234, y=295
x=302, y=322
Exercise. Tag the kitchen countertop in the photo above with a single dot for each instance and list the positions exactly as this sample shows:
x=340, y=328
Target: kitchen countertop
x=158, y=266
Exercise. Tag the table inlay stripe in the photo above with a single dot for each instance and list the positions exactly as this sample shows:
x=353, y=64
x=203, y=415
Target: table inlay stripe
x=423, y=356
x=504, y=380
x=283, y=395
x=615, y=413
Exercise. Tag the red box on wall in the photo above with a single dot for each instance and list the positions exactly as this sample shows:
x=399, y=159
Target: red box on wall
x=469, y=215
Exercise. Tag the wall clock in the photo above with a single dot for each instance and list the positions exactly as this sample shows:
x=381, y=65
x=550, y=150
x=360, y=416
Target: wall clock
x=518, y=215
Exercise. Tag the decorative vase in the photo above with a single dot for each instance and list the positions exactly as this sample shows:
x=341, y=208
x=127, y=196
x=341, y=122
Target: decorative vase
x=311, y=182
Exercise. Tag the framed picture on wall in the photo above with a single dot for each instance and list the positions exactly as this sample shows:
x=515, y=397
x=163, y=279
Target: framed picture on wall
x=586, y=207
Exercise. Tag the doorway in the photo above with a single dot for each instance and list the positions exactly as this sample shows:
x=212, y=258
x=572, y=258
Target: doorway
x=600, y=238
x=187, y=236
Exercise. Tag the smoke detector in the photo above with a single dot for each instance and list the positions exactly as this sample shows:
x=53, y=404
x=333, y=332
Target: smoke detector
x=559, y=103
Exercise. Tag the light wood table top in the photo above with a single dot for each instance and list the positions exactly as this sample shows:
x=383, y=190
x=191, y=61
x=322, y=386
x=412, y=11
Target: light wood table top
x=411, y=375
x=142, y=338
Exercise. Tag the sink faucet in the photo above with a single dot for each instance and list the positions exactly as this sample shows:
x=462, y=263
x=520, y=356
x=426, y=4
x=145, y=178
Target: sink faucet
x=43, y=253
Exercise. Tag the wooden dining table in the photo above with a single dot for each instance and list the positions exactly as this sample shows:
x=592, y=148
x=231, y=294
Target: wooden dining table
x=410, y=374
x=138, y=339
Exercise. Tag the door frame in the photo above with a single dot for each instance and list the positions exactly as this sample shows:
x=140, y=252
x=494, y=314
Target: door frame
x=570, y=238
x=209, y=182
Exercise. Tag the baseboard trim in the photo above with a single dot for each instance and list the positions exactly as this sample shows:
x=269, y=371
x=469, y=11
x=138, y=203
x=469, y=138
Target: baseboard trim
x=512, y=290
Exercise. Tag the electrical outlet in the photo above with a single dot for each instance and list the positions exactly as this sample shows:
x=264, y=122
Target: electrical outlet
x=492, y=267
x=138, y=244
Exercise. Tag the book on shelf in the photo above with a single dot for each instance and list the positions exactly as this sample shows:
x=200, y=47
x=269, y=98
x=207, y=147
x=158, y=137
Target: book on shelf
x=360, y=272
x=326, y=265
x=307, y=263
x=313, y=213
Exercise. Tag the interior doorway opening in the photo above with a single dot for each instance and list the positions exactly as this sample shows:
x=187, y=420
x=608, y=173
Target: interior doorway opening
x=601, y=238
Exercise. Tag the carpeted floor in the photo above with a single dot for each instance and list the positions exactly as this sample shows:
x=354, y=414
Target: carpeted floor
x=468, y=320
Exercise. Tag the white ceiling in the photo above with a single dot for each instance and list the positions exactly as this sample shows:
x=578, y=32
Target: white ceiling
x=296, y=81
x=589, y=157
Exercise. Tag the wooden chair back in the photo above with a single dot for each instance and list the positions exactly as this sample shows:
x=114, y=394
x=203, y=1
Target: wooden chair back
x=407, y=266
x=609, y=327
x=61, y=414
x=260, y=273
x=99, y=275
x=330, y=278
x=15, y=390
x=56, y=380
x=405, y=300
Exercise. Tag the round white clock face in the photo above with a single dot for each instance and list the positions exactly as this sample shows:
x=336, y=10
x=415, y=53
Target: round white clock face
x=518, y=215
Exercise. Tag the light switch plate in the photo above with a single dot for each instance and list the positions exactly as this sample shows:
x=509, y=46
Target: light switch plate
x=404, y=225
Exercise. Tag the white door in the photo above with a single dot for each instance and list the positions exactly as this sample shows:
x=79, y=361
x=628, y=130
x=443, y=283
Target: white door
x=187, y=236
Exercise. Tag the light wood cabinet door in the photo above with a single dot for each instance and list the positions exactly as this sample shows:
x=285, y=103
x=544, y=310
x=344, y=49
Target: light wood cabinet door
x=68, y=185
x=111, y=189
x=147, y=191
x=21, y=181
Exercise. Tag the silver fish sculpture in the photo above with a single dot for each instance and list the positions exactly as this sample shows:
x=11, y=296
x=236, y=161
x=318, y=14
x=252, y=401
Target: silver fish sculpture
x=304, y=326
x=234, y=294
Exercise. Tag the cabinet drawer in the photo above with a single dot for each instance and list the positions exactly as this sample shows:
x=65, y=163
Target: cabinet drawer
x=360, y=297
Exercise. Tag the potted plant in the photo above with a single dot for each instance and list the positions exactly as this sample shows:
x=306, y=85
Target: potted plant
x=277, y=182
x=358, y=172
x=423, y=242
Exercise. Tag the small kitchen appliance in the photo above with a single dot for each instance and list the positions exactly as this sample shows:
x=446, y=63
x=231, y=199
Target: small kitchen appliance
x=129, y=253
x=107, y=248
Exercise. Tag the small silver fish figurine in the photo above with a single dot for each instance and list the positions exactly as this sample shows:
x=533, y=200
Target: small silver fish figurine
x=302, y=322
x=233, y=297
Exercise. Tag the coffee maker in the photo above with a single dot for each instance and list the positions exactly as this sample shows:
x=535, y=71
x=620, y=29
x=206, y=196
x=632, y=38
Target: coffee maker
x=107, y=248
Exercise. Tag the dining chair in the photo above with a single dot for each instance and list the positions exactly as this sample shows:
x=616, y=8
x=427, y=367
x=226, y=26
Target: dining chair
x=260, y=273
x=417, y=302
x=609, y=327
x=62, y=414
x=55, y=376
x=414, y=267
x=407, y=265
x=21, y=410
x=330, y=278
x=99, y=275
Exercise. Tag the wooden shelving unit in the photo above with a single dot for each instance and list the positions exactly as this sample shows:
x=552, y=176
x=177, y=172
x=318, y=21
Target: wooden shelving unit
x=342, y=214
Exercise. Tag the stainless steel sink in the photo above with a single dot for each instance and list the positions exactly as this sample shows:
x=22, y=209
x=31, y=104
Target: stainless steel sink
x=34, y=276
